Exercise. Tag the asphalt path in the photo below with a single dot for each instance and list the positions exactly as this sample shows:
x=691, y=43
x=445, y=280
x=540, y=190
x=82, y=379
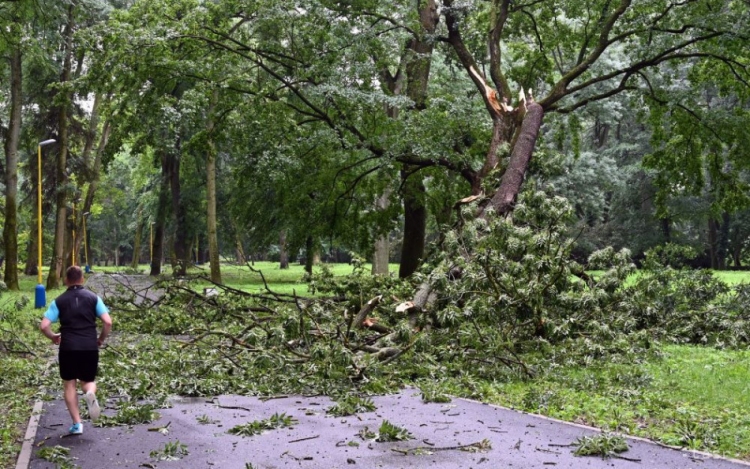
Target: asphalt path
x=443, y=437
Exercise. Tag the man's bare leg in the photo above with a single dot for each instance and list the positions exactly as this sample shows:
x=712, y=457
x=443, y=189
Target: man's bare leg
x=88, y=386
x=89, y=393
x=70, y=394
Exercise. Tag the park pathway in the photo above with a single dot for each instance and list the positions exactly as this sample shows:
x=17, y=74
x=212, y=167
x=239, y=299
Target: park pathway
x=442, y=435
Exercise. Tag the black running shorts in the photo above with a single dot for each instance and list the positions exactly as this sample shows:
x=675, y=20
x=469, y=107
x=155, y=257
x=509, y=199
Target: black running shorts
x=79, y=364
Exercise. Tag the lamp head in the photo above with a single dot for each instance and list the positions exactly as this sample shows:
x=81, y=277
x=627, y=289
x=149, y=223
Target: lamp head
x=47, y=142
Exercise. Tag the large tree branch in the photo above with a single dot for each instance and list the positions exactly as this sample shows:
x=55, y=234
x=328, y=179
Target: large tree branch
x=560, y=88
x=505, y=196
x=663, y=56
x=465, y=171
x=494, y=102
x=500, y=16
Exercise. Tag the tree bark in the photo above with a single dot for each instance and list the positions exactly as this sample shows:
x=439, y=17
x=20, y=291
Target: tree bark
x=722, y=247
x=737, y=254
x=415, y=225
x=712, y=243
x=10, y=228
x=181, y=243
x=93, y=170
x=504, y=197
x=55, y=273
x=240, y=257
x=213, y=241
x=381, y=255
x=418, y=62
x=666, y=229
x=309, y=254
x=162, y=210
x=31, y=248
x=137, y=241
x=283, y=254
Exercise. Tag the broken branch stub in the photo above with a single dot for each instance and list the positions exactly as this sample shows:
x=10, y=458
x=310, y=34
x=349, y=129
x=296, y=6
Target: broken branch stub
x=368, y=308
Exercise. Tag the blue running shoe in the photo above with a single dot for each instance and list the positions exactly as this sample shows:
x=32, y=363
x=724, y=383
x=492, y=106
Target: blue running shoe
x=76, y=429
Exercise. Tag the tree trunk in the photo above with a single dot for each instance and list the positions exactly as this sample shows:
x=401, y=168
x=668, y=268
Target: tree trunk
x=283, y=254
x=162, y=210
x=666, y=229
x=55, y=273
x=137, y=242
x=737, y=254
x=712, y=238
x=239, y=251
x=309, y=254
x=31, y=247
x=415, y=224
x=213, y=241
x=92, y=170
x=10, y=228
x=381, y=255
x=181, y=244
x=418, y=62
x=722, y=245
x=504, y=197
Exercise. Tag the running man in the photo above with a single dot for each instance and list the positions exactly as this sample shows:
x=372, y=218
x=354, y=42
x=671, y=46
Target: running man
x=77, y=310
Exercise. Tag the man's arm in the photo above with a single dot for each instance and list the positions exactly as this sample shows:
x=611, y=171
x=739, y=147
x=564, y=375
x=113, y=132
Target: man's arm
x=106, y=328
x=45, y=327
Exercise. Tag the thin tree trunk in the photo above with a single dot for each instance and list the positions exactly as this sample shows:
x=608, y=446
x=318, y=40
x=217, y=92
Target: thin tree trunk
x=722, y=245
x=55, y=273
x=213, y=241
x=712, y=241
x=10, y=228
x=240, y=257
x=415, y=225
x=309, y=254
x=381, y=254
x=737, y=254
x=162, y=209
x=137, y=241
x=92, y=170
x=31, y=250
x=283, y=254
x=666, y=229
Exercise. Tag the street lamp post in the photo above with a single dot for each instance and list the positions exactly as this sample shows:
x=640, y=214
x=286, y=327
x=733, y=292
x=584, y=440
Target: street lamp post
x=40, y=295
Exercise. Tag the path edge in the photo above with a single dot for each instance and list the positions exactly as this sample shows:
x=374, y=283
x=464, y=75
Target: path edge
x=704, y=454
x=24, y=457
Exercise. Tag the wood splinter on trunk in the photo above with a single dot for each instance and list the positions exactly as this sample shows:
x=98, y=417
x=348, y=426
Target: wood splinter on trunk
x=501, y=106
x=468, y=200
x=405, y=306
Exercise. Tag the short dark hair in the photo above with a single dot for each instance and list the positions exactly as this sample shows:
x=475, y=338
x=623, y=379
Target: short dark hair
x=74, y=274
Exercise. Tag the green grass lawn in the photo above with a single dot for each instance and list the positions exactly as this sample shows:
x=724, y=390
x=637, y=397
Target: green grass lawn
x=288, y=281
x=694, y=397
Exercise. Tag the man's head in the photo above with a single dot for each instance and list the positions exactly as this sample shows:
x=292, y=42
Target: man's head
x=73, y=276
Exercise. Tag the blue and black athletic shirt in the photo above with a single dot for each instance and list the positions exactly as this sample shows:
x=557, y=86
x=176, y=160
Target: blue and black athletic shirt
x=77, y=310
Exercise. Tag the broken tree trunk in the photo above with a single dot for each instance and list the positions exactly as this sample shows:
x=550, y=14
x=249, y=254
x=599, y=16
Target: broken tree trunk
x=510, y=185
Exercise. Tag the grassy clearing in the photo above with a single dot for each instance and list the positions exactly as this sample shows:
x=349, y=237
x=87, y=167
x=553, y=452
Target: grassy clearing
x=287, y=281
x=692, y=397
